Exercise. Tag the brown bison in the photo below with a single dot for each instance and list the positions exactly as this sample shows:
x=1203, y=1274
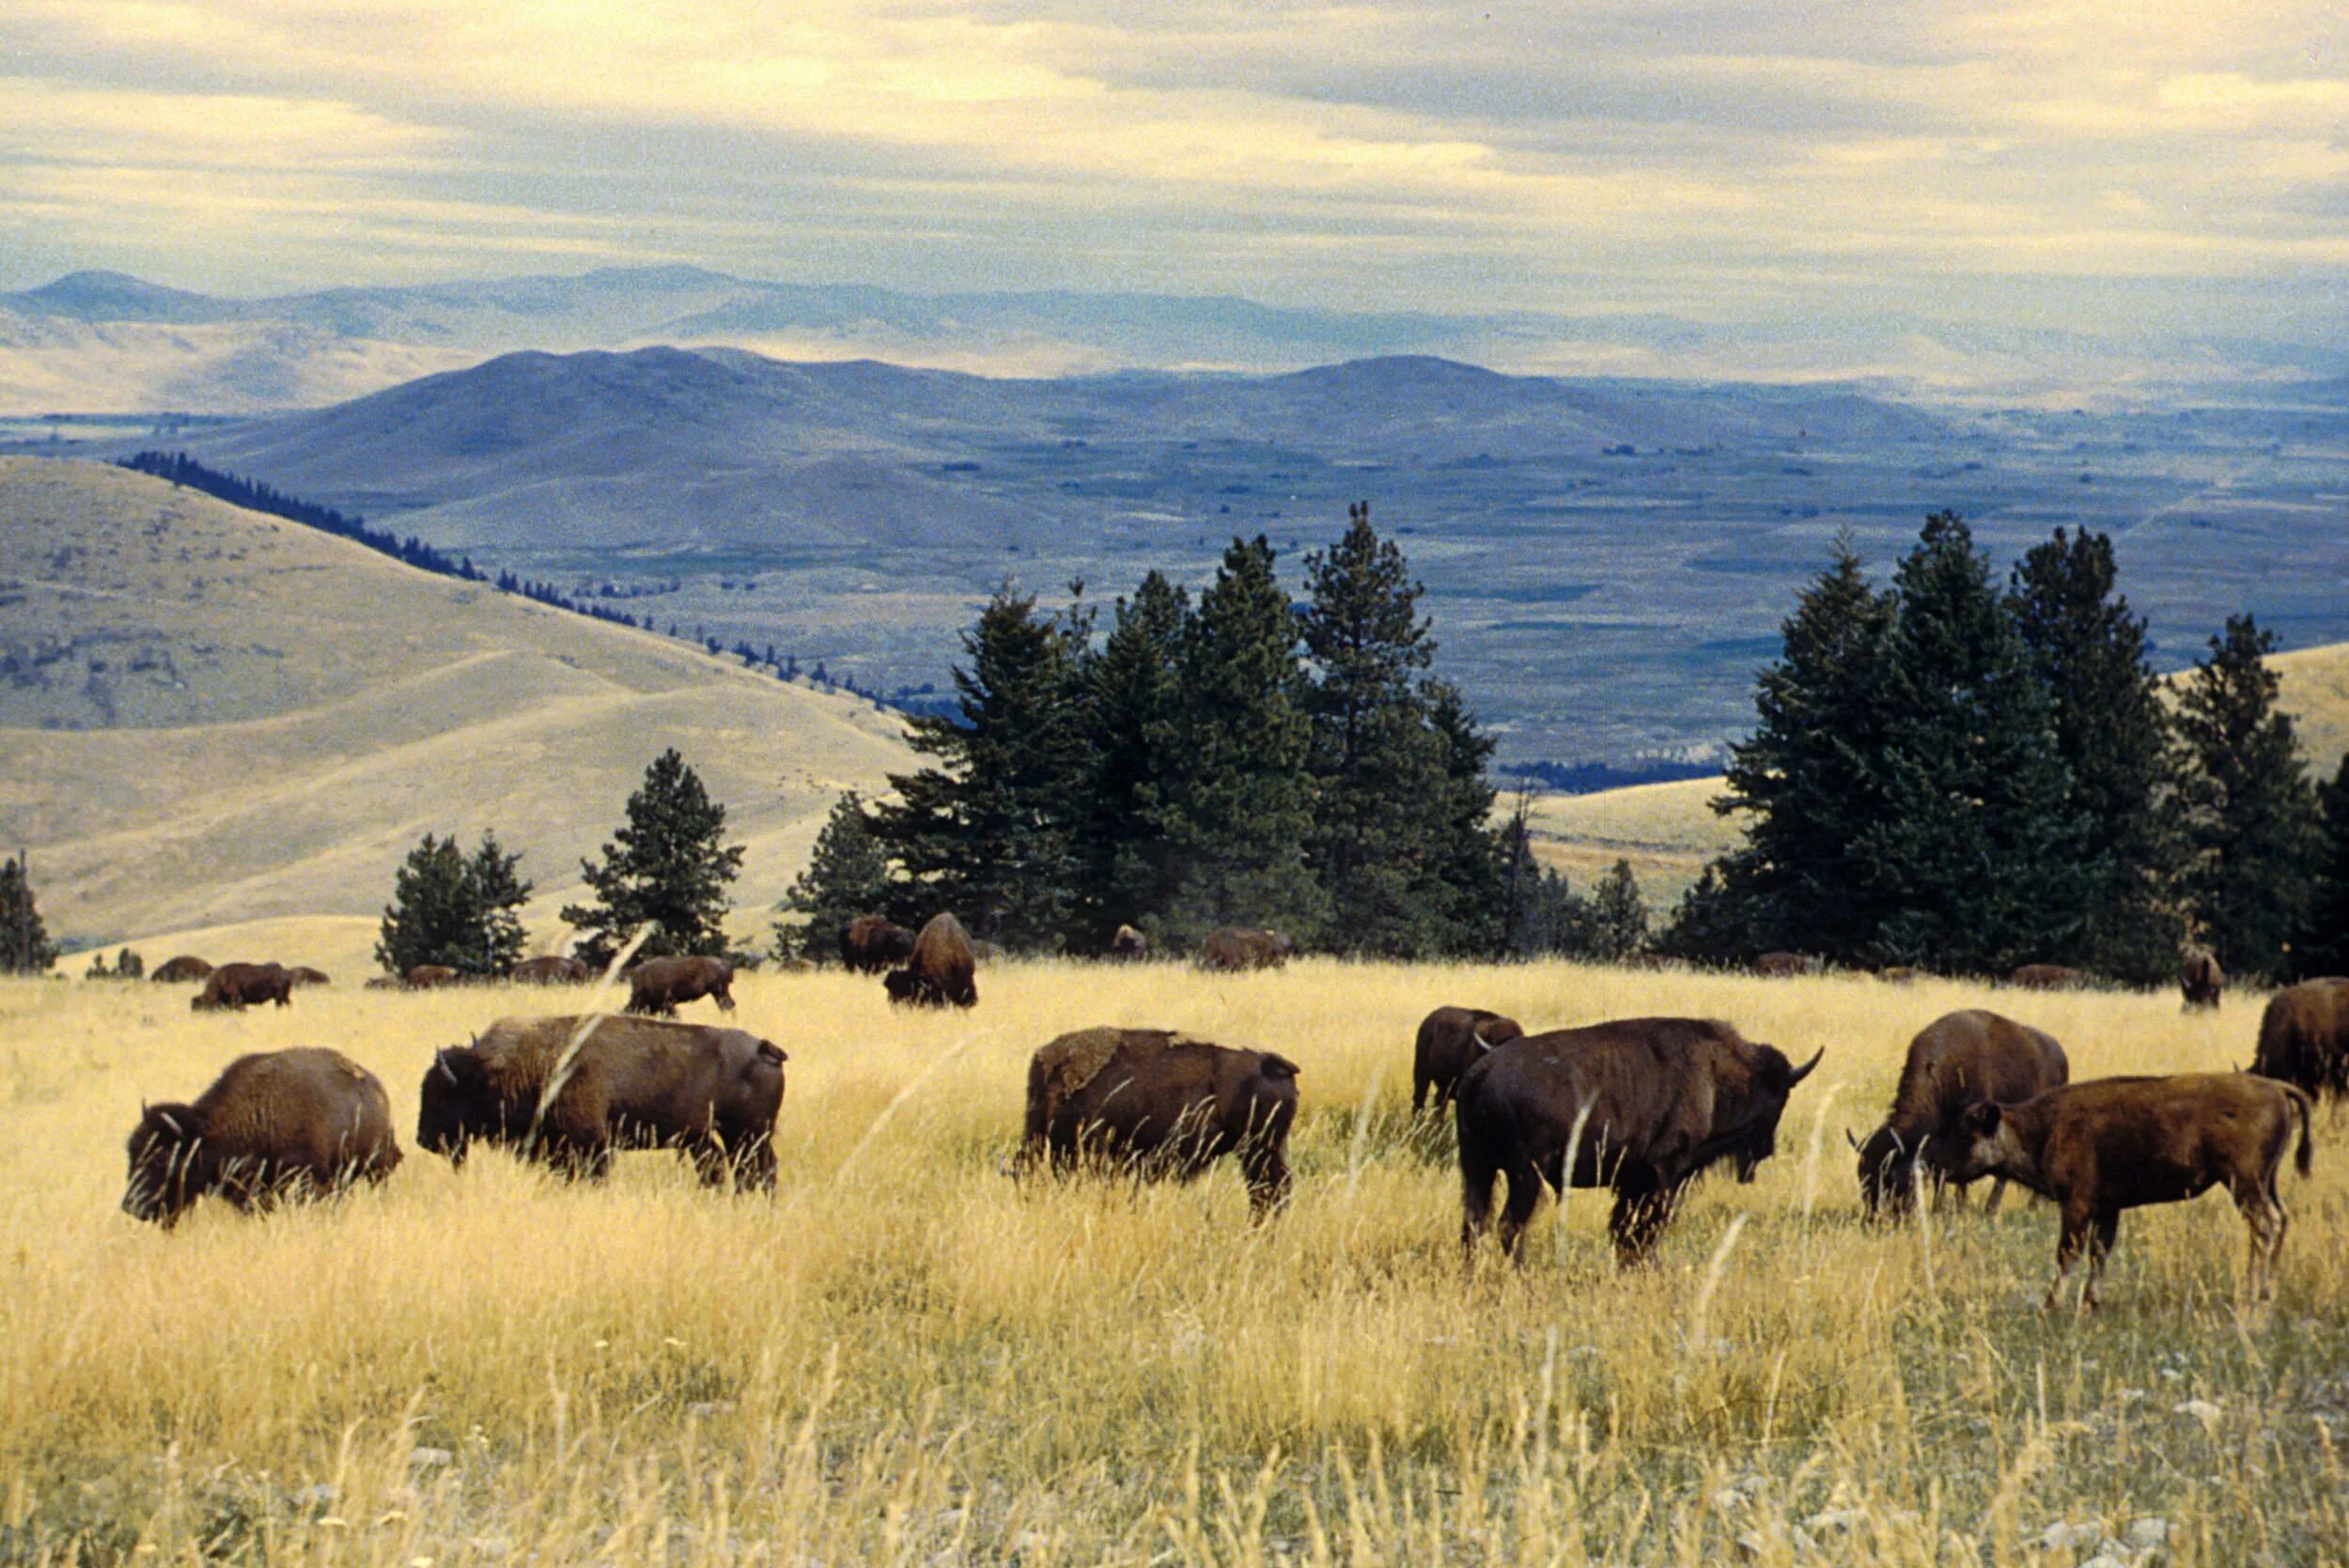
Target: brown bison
x=869, y=944
x=1449, y=1039
x=304, y=975
x=1642, y=1105
x=553, y=969
x=631, y=1083
x=286, y=1124
x=241, y=986
x=1161, y=1105
x=661, y=985
x=183, y=969
x=1240, y=948
x=2304, y=1037
x=2045, y=977
x=1782, y=965
x=1955, y=1062
x=1897, y=974
x=2116, y=1144
x=386, y=983
x=431, y=977
x=1130, y=945
x=939, y=971
x=2203, y=981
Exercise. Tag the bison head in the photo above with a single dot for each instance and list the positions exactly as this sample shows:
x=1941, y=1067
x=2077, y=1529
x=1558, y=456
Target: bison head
x=1752, y=1133
x=1888, y=1173
x=162, y=1148
x=459, y=1104
x=1984, y=1144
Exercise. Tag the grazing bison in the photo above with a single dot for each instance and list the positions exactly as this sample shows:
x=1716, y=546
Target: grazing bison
x=869, y=944
x=286, y=1124
x=1642, y=1105
x=2045, y=977
x=1130, y=945
x=185, y=967
x=1240, y=948
x=2203, y=981
x=938, y=972
x=1898, y=974
x=2116, y=1144
x=2304, y=1037
x=386, y=983
x=553, y=969
x=304, y=975
x=241, y=986
x=431, y=977
x=661, y=985
x=1449, y=1039
x=1782, y=965
x=1162, y=1105
x=632, y=1083
x=1955, y=1062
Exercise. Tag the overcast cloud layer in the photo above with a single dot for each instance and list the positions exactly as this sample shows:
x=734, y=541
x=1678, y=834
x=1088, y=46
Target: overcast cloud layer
x=2179, y=165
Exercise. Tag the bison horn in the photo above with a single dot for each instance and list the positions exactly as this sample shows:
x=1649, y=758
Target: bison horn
x=441, y=1061
x=170, y=1122
x=1849, y=1138
x=1804, y=1071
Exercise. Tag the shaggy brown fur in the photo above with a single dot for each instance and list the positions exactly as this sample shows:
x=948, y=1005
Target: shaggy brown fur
x=1130, y=944
x=242, y=985
x=553, y=969
x=185, y=967
x=2045, y=977
x=869, y=944
x=660, y=986
x=940, y=971
x=1240, y=948
x=1958, y=1060
x=1449, y=1039
x=287, y=1123
x=2203, y=981
x=1780, y=966
x=2304, y=1037
x=431, y=977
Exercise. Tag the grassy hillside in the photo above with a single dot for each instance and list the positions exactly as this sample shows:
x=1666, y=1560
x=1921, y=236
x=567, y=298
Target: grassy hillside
x=1669, y=832
x=905, y=1359
x=214, y=716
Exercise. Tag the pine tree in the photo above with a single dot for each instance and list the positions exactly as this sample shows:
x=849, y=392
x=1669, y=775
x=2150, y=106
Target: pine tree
x=1808, y=782
x=847, y=876
x=2252, y=821
x=2114, y=736
x=1618, y=915
x=1460, y=874
x=25, y=944
x=431, y=918
x=1978, y=856
x=1133, y=699
x=992, y=832
x=2323, y=947
x=1237, y=804
x=497, y=891
x=667, y=868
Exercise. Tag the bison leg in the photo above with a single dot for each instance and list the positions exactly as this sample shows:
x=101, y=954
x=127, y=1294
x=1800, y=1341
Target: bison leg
x=2078, y=1220
x=2264, y=1216
x=1998, y=1190
x=1268, y=1176
x=1642, y=1207
x=1517, y=1211
x=2099, y=1248
x=1421, y=1085
x=1476, y=1199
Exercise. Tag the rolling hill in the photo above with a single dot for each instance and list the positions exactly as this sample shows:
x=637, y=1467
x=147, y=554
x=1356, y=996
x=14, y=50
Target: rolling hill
x=209, y=716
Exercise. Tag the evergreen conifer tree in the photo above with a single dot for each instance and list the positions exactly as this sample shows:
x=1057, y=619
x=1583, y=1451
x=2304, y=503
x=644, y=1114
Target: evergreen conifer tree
x=1618, y=915
x=1133, y=701
x=25, y=944
x=497, y=892
x=1978, y=856
x=2323, y=947
x=2114, y=736
x=450, y=908
x=1238, y=804
x=2252, y=821
x=667, y=867
x=847, y=877
x=1460, y=884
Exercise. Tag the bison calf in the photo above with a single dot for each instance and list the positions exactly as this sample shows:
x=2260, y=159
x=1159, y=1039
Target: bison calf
x=2117, y=1143
x=1161, y=1105
x=631, y=1083
x=1450, y=1038
x=238, y=987
x=286, y=1124
x=1956, y=1061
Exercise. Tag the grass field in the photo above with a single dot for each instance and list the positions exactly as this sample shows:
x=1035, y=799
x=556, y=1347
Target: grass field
x=902, y=1356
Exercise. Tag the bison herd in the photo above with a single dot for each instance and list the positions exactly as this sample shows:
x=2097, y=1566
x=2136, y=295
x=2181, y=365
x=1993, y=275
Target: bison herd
x=1642, y=1107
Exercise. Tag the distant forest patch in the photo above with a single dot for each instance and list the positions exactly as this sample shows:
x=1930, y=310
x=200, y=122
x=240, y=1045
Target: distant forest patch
x=1590, y=778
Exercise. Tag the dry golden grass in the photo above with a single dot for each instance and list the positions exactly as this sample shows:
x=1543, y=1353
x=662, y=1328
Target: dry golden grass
x=902, y=1356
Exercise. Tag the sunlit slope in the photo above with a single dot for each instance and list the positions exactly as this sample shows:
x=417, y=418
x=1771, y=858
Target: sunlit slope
x=1667, y=831
x=216, y=716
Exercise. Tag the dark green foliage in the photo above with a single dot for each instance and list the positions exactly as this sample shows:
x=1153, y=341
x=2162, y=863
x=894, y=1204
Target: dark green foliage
x=1134, y=698
x=1618, y=916
x=2323, y=944
x=25, y=944
x=2252, y=818
x=2114, y=738
x=992, y=832
x=847, y=877
x=1709, y=924
x=451, y=908
x=667, y=868
x=1460, y=884
x=127, y=966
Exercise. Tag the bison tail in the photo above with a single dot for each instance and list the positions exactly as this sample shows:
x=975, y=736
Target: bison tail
x=2307, y=1156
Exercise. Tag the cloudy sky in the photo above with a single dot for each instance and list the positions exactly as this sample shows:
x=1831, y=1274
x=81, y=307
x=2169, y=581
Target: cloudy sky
x=2017, y=164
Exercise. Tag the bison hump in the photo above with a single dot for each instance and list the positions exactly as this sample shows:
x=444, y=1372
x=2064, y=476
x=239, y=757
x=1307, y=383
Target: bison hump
x=1279, y=1066
x=1066, y=1066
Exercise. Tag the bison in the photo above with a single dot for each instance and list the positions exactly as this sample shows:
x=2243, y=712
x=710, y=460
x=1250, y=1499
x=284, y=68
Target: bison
x=2045, y=977
x=1162, y=1105
x=939, y=971
x=2203, y=981
x=2116, y=1144
x=660, y=986
x=286, y=1124
x=553, y=969
x=386, y=983
x=869, y=944
x=1958, y=1060
x=1130, y=945
x=628, y=1083
x=1642, y=1105
x=1782, y=965
x=1449, y=1039
x=240, y=986
x=183, y=969
x=1897, y=974
x=1240, y=948
x=2304, y=1037
x=304, y=975
x=431, y=977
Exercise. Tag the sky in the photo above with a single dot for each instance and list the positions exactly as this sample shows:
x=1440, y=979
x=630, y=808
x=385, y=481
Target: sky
x=2019, y=165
